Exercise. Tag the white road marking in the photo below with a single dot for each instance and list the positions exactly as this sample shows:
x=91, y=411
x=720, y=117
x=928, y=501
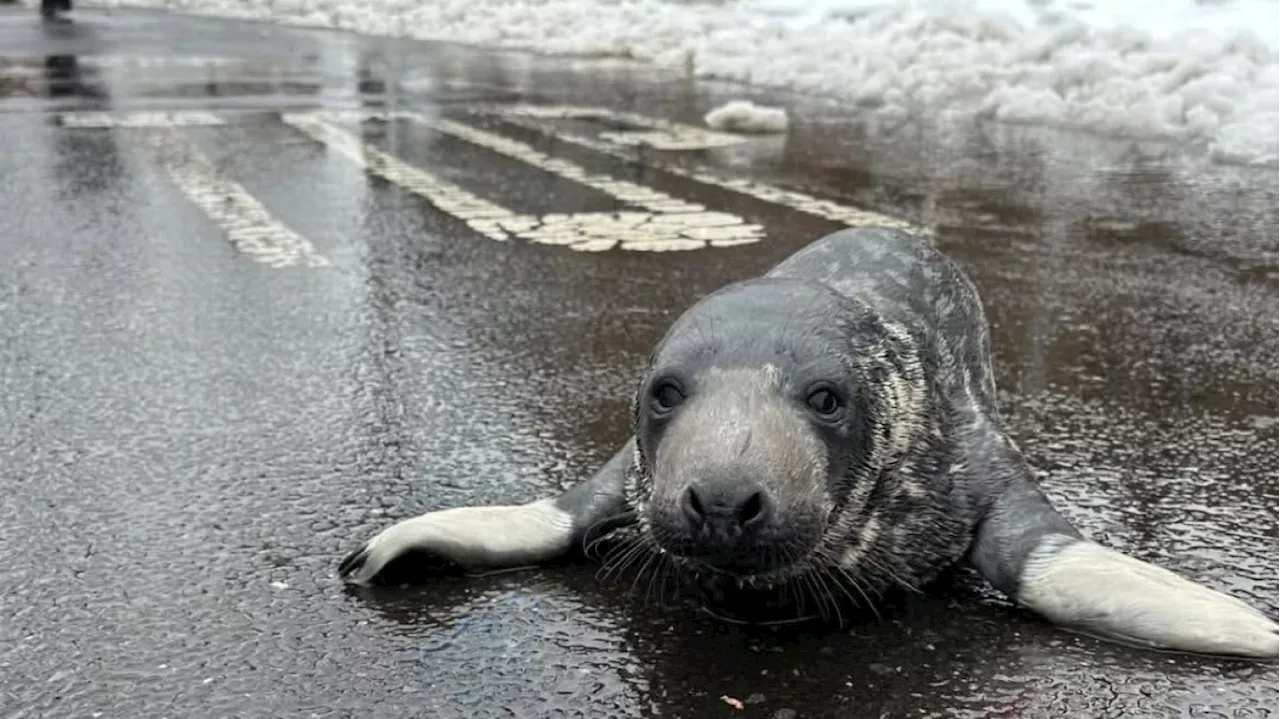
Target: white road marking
x=139, y=119
x=522, y=115
x=140, y=62
x=668, y=224
x=487, y=218
x=628, y=192
x=652, y=131
x=249, y=227
x=659, y=221
x=667, y=140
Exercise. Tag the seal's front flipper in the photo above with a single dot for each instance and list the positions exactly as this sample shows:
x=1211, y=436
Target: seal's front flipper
x=1082, y=584
x=1030, y=552
x=498, y=537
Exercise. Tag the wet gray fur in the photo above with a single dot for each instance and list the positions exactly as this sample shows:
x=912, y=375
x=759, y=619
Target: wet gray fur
x=947, y=483
x=829, y=432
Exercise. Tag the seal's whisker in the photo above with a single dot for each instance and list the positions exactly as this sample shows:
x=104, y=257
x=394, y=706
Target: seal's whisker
x=819, y=595
x=614, y=557
x=804, y=590
x=836, y=580
x=867, y=600
x=828, y=598
x=854, y=606
x=867, y=587
x=590, y=538
x=669, y=571
x=832, y=600
x=643, y=571
x=621, y=547
x=857, y=585
x=657, y=575
x=790, y=597
x=623, y=558
x=880, y=566
x=854, y=577
x=861, y=587
x=661, y=574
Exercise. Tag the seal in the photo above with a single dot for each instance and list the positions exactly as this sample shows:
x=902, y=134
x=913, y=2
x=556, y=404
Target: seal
x=832, y=425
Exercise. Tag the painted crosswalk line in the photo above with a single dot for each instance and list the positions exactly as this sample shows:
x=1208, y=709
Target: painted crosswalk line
x=248, y=225
x=610, y=143
x=103, y=120
x=649, y=220
x=653, y=132
x=659, y=223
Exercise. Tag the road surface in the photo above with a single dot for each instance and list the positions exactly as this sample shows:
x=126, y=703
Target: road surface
x=265, y=290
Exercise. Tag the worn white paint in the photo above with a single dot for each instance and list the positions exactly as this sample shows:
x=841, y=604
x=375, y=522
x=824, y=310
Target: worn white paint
x=606, y=144
x=671, y=141
x=487, y=218
x=661, y=224
x=624, y=191
x=249, y=227
x=654, y=132
x=658, y=222
x=102, y=120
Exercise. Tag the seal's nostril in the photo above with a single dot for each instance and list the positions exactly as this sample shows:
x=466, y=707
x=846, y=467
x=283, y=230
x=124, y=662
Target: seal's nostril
x=752, y=509
x=692, y=506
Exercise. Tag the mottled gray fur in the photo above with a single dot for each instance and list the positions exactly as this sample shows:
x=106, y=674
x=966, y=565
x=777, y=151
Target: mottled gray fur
x=913, y=324
x=898, y=472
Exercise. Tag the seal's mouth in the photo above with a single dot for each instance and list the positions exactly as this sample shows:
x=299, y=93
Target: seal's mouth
x=763, y=558
x=759, y=566
x=798, y=592
x=774, y=592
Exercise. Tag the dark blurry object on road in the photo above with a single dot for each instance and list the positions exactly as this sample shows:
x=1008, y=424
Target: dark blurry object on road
x=51, y=10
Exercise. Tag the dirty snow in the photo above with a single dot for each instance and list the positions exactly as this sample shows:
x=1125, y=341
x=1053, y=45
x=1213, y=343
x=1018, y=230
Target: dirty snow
x=1202, y=71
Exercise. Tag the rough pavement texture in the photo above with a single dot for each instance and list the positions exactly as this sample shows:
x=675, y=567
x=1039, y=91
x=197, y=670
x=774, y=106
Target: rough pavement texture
x=190, y=438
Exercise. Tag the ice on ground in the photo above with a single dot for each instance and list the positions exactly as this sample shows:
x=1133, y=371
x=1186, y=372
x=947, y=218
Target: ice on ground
x=1203, y=71
x=747, y=117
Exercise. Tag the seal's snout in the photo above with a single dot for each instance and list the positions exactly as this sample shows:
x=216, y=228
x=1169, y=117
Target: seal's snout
x=737, y=470
x=729, y=522
x=725, y=511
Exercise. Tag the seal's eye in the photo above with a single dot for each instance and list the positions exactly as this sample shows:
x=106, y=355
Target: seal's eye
x=824, y=402
x=666, y=397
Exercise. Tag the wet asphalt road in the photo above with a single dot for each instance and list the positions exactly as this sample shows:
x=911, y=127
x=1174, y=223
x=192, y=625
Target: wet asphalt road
x=192, y=437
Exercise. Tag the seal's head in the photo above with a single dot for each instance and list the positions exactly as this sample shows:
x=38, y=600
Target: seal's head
x=764, y=420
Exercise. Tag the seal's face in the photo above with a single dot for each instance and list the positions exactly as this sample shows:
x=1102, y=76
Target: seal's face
x=754, y=430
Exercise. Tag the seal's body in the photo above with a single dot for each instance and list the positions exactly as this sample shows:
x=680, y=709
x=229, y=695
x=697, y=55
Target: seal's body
x=833, y=426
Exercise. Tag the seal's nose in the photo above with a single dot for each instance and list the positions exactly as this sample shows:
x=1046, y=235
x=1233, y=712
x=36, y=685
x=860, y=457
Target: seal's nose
x=724, y=509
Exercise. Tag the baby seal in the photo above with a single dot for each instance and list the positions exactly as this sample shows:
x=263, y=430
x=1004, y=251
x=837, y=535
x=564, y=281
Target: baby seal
x=834, y=422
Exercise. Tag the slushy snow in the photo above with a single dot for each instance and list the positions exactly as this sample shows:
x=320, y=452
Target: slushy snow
x=1201, y=71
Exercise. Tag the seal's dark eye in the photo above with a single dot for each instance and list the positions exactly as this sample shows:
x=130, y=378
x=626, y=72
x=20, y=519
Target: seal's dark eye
x=824, y=402
x=666, y=397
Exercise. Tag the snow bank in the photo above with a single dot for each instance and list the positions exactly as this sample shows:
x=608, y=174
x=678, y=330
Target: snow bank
x=1196, y=70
